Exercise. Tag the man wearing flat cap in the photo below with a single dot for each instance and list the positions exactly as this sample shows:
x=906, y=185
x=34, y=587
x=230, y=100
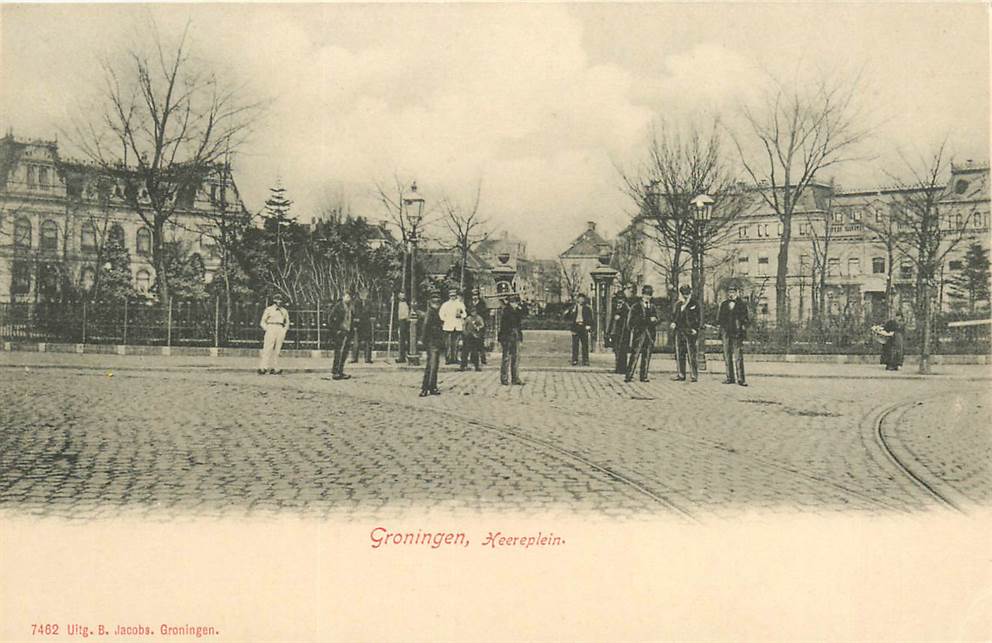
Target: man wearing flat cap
x=435, y=343
x=643, y=322
x=275, y=323
x=510, y=335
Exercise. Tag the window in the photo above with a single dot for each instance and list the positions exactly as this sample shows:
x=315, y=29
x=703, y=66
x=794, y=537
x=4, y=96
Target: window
x=762, y=265
x=878, y=265
x=744, y=265
x=803, y=229
x=143, y=242
x=855, y=215
x=143, y=280
x=49, y=236
x=980, y=220
x=20, y=282
x=22, y=233
x=87, y=277
x=762, y=229
x=87, y=238
x=838, y=217
x=803, y=263
x=742, y=232
x=117, y=235
x=906, y=268
x=781, y=228
x=961, y=186
x=763, y=305
x=878, y=215
x=43, y=177
x=854, y=266
x=31, y=179
x=958, y=221
x=833, y=266
x=955, y=265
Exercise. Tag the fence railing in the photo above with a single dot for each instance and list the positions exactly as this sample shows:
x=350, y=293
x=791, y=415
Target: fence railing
x=184, y=323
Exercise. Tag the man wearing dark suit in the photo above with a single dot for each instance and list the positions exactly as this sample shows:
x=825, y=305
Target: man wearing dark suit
x=510, y=335
x=579, y=315
x=733, y=320
x=685, y=315
x=435, y=342
x=619, y=333
x=364, y=325
x=479, y=307
x=342, y=326
x=642, y=321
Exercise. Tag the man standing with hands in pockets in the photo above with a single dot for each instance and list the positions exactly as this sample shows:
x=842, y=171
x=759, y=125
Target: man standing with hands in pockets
x=733, y=320
x=275, y=323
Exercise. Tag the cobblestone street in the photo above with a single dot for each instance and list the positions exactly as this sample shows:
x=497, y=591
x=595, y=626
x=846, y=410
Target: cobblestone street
x=82, y=442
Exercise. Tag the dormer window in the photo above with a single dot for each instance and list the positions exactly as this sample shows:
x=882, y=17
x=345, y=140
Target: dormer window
x=961, y=186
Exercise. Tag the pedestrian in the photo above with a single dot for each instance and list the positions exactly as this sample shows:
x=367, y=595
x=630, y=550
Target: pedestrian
x=342, y=326
x=685, y=314
x=733, y=320
x=510, y=336
x=403, y=322
x=434, y=342
x=643, y=323
x=893, y=350
x=275, y=323
x=619, y=332
x=453, y=317
x=480, y=308
x=579, y=315
x=473, y=335
x=364, y=330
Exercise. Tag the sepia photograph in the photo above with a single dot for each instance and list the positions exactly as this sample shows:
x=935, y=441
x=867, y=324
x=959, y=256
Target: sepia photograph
x=495, y=322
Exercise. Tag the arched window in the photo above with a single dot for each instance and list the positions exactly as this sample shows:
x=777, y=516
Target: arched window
x=31, y=179
x=117, y=234
x=49, y=236
x=143, y=242
x=87, y=277
x=143, y=280
x=20, y=278
x=22, y=233
x=87, y=238
x=43, y=177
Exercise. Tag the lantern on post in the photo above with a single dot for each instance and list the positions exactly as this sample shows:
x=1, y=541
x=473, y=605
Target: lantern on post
x=413, y=208
x=703, y=212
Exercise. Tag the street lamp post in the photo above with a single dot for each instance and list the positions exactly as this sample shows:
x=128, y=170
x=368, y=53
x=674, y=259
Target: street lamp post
x=413, y=204
x=703, y=210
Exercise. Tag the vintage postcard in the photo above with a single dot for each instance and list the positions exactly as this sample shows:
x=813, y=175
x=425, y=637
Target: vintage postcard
x=495, y=322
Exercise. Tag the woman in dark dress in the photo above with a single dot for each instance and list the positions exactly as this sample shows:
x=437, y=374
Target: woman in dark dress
x=893, y=349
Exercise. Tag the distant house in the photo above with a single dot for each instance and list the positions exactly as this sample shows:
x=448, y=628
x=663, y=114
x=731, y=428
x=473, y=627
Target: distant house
x=579, y=259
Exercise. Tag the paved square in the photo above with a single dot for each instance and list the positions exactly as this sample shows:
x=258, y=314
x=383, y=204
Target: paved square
x=162, y=440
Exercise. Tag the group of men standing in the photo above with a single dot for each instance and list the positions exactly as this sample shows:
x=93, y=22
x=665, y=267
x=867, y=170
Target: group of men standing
x=632, y=333
x=633, y=330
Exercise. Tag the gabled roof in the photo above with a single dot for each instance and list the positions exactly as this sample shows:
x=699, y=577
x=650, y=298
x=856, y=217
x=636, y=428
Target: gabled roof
x=439, y=261
x=586, y=244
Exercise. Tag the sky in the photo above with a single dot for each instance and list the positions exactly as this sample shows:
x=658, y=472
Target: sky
x=539, y=103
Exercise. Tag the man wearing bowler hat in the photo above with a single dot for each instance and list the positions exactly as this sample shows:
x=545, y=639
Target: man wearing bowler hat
x=642, y=321
x=733, y=320
x=686, y=327
x=619, y=332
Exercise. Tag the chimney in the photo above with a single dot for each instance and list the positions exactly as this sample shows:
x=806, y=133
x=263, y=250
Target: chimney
x=591, y=225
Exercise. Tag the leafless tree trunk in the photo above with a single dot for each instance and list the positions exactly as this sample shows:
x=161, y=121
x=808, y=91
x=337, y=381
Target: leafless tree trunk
x=466, y=227
x=928, y=231
x=797, y=133
x=162, y=124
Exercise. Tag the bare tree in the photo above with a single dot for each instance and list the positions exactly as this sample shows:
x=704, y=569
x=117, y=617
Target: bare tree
x=798, y=132
x=162, y=125
x=571, y=278
x=681, y=166
x=820, y=236
x=466, y=226
x=885, y=227
x=928, y=231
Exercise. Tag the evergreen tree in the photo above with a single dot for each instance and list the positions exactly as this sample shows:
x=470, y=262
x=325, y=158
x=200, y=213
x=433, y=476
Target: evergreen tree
x=277, y=206
x=113, y=278
x=970, y=286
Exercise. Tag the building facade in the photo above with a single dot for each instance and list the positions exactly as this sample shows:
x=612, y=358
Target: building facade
x=57, y=217
x=841, y=257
